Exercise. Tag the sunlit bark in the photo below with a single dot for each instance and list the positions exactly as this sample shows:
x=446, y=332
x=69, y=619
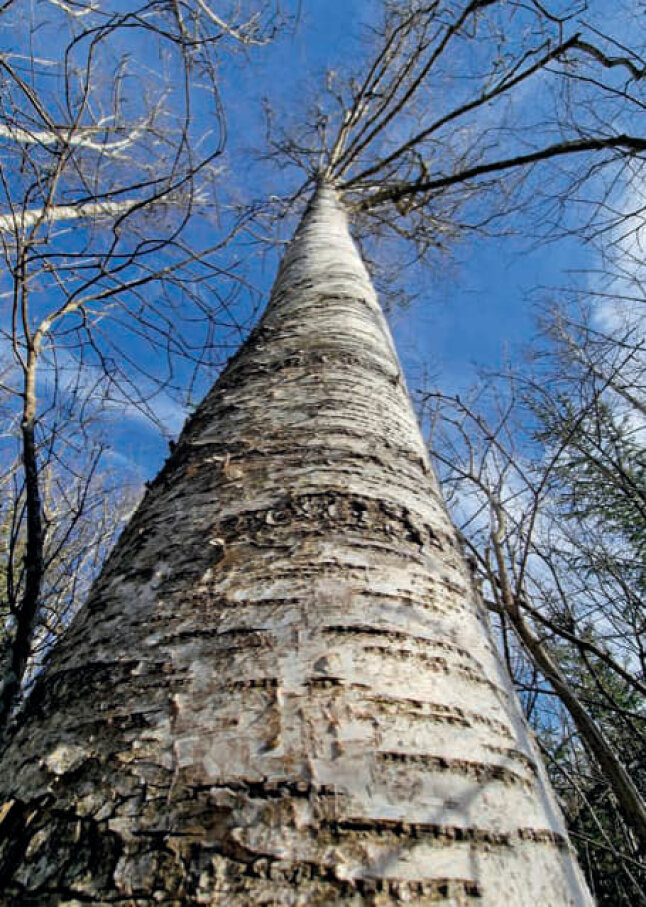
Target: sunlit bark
x=24, y=219
x=283, y=689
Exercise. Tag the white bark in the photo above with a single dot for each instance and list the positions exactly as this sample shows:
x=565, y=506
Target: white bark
x=242, y=33
x=24, y=218
x=66, y=137
x=283, y=689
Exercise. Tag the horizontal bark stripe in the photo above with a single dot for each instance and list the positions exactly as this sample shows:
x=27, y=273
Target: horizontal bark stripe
x=427, y=710
x=447, y=834
x=479, y=771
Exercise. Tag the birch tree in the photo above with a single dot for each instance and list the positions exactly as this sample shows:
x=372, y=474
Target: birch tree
x=71, y=162
x=300, y=698
x=246, y=787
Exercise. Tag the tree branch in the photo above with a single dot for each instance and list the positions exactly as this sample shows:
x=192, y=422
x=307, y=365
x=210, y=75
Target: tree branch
x=394, y=193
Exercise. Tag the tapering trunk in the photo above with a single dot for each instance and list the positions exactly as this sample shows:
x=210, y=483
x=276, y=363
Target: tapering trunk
x=282, y=689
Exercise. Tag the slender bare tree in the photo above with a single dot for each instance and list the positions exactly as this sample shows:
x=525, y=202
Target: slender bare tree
x=552, y=484
x=106, y=170
x=84, y=506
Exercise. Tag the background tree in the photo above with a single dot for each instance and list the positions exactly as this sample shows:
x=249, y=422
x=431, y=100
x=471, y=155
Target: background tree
x=106, y=172
x=85, y=500
x=550, y=482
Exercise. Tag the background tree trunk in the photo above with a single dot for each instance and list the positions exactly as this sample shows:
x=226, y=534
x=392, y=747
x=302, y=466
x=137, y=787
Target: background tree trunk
x=283, y=689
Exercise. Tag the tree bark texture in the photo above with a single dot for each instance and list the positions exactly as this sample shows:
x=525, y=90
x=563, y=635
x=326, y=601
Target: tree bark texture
x=282, y=689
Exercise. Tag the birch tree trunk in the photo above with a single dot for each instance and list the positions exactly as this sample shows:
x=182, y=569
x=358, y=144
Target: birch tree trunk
x=283, y=689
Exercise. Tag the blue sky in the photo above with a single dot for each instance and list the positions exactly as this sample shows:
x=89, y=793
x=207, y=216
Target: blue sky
x=477, y=308
x=472, y=309
x=473, y=312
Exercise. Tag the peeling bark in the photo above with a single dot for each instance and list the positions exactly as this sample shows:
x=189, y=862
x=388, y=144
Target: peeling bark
x=283, y=688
